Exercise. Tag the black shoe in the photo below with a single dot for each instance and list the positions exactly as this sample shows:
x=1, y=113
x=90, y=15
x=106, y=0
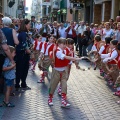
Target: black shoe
x=26, y=88
x=8, y=104
x=12, y=94
x=17, y=89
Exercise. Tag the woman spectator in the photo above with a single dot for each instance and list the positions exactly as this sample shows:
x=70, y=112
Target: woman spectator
x=10, y=33
x=23, y=55
x=95, y=29
x=107, y=31
x=100, y=31
x=117, y=35
x=115, y=30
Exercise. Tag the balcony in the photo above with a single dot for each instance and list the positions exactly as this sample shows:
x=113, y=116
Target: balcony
x=55, y=5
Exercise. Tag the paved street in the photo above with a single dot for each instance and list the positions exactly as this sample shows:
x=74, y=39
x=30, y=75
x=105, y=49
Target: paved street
x=88, y=94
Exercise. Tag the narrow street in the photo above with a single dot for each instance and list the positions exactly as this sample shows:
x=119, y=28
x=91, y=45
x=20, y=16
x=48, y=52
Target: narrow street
x=89, y=95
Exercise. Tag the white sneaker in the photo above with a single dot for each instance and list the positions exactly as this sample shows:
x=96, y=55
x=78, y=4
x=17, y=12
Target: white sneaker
x=50, y=103
x=65, y=104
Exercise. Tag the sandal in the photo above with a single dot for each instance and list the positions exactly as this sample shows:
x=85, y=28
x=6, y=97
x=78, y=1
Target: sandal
x=8, y=104
x=12, y=94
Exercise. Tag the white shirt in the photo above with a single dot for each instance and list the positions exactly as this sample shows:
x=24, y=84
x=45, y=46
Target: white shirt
x=107, y=57
x=60, y=55
x=55, y=31
x=107, y=33
x=76, y=26
x=62, y=32
x=43, y=49
x=44, y=31
x=101, y=50
x=81, y=29
x=70, y=32
x=94, y=48
x=38, y=46
x=71, y=56
x=38, y=26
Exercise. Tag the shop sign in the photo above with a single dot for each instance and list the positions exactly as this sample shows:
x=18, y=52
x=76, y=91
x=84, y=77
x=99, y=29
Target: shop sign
x=64, y=11
x=46, y=3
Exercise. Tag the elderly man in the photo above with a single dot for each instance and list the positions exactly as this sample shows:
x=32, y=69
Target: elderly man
x=90, y=36
x=80, y=32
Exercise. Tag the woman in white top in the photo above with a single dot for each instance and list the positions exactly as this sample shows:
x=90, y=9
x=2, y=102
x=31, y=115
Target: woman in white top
x=107, y=31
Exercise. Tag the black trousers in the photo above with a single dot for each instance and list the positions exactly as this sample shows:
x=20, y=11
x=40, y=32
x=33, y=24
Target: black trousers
x=22, y=67
x=82, y=48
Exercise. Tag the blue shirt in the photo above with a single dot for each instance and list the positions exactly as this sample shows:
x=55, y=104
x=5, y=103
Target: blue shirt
x=10, y=74
x=9, y=35
x=24, y=41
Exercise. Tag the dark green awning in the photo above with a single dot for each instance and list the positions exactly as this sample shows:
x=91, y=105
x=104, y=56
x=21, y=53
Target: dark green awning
x=63, y=4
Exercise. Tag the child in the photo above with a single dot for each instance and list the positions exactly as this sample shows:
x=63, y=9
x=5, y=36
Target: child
x=45, y=61
x=111, y=57
x=59, y=73
x=97, y=43
x=9, y=76
x=117, y=82
x=95, y=49
x=69, y=51
x=36, y=50
x=104, y=50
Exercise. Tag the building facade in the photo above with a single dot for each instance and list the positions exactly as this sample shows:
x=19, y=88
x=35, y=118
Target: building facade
x=77, y=9
x=36, y=9
x=41, y=8
x=101, y=10
x=10, y=7
x=55, y=14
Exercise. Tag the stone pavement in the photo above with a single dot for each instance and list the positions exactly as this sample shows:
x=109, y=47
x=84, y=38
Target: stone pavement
x=88, y=94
